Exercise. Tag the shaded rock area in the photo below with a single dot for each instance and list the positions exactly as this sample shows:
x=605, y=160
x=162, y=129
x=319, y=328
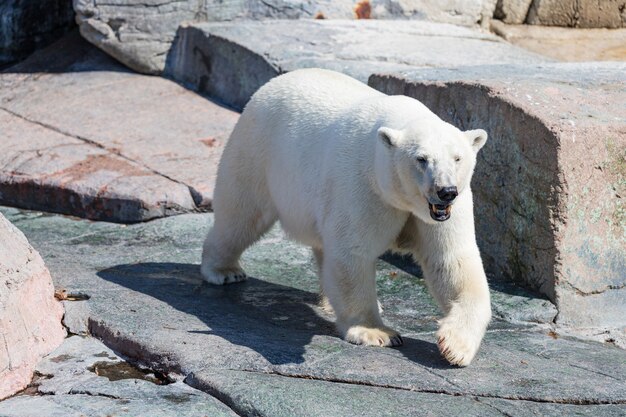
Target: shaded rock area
x=140, y=33
x=230, y=61
x=26, y=25
x=146, y=292
x=550, y=182
x=30, y=317
x=102, y=142
x=85, y=378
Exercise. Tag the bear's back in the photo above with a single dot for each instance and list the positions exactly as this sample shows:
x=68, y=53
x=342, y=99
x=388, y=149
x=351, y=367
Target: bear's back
x=314, y=91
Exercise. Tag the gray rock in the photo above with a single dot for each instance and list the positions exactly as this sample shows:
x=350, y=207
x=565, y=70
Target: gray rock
x=76, y=317
x=264, y=394
x=26, y=25
x=578, y=13
x=230, y=61
x=167, y=320
x=131, y=149
x=84, y=377
x=140, y=33
x=549, y=183
x=512, y=11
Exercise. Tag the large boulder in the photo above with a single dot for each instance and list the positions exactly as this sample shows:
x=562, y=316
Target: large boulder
x=30, y=317
x=139, y=33
x=118, y=153
x=26, y=25
x=550, y=183
x=229, y=61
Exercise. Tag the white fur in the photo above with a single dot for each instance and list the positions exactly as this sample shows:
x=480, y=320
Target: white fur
x=336, y=162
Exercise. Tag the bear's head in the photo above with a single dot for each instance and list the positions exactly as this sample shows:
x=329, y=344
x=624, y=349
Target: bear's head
x=426, y=166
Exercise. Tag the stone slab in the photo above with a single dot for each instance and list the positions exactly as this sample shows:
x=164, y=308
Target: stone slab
x=275, y=395
x=168, y=320
x=578, y=13
x=31, y=24
x=550, y=182
x=84, y=136
x=140, y=33
x=84, y=377
x=30, y=317
x=566, y=44
x=230, y=61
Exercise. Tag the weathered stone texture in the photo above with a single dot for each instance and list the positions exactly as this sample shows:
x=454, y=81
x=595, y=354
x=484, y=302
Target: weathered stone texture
x=578, y=13
x=230, y=61
x=30, y=317
x=131, y=149
x=512, y=11
x=139, y=33
x=265, y=348
x=26, y=25
x=83, y=377
x=550, y=182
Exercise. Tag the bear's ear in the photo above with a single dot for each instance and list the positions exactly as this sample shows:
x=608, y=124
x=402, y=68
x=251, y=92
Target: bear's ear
x=388, y=136
x=477, y=138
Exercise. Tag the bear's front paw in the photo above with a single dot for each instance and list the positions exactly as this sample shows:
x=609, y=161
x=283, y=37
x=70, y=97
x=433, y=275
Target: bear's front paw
x=458, y=342
x=223, y=276
x=373, y=336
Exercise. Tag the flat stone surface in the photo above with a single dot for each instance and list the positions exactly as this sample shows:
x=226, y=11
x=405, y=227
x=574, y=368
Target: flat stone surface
x=275, y=395
x=147, y=301
x=230, y=61
x=550, y=182
x=84, y=136
x=84, y=377
x=566, y=44
x=140, y=33
x=30, y=317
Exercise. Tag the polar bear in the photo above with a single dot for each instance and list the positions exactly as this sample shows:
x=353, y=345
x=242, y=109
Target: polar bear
x=352, y=172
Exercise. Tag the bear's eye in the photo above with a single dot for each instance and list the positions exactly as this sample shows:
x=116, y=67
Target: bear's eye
x=421, y=159
x=457, y=159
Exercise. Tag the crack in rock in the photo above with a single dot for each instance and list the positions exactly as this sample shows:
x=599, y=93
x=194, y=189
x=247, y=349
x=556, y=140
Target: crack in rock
x=88, y=141
x=431, y=391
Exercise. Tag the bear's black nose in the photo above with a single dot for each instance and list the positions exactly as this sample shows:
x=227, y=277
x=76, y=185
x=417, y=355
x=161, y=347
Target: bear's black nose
x=447, y=194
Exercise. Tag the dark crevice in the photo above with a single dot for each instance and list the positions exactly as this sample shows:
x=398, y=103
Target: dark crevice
x=95, y=394
x=593, y=292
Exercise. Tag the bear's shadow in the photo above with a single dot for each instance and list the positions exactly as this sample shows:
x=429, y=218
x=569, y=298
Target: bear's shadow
x=274, y=320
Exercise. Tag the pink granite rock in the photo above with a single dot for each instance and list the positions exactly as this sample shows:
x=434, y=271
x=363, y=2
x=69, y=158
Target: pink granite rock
x=30, y=317
x=82, y=135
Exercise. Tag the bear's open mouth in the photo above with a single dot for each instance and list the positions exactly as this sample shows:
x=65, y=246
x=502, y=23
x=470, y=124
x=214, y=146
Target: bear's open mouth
x=440, y=212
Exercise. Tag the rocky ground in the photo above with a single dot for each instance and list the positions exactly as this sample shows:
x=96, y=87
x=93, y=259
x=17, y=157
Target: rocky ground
x=264, y=347
x=147, y=337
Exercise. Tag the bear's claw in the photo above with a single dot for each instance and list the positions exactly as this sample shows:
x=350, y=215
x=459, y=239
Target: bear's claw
x=372, y=336
x=397, y=341
x=223, y=276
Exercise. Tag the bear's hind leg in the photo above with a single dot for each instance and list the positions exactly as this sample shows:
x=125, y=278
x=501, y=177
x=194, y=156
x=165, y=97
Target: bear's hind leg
x=233, y=232
x=349, y=282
